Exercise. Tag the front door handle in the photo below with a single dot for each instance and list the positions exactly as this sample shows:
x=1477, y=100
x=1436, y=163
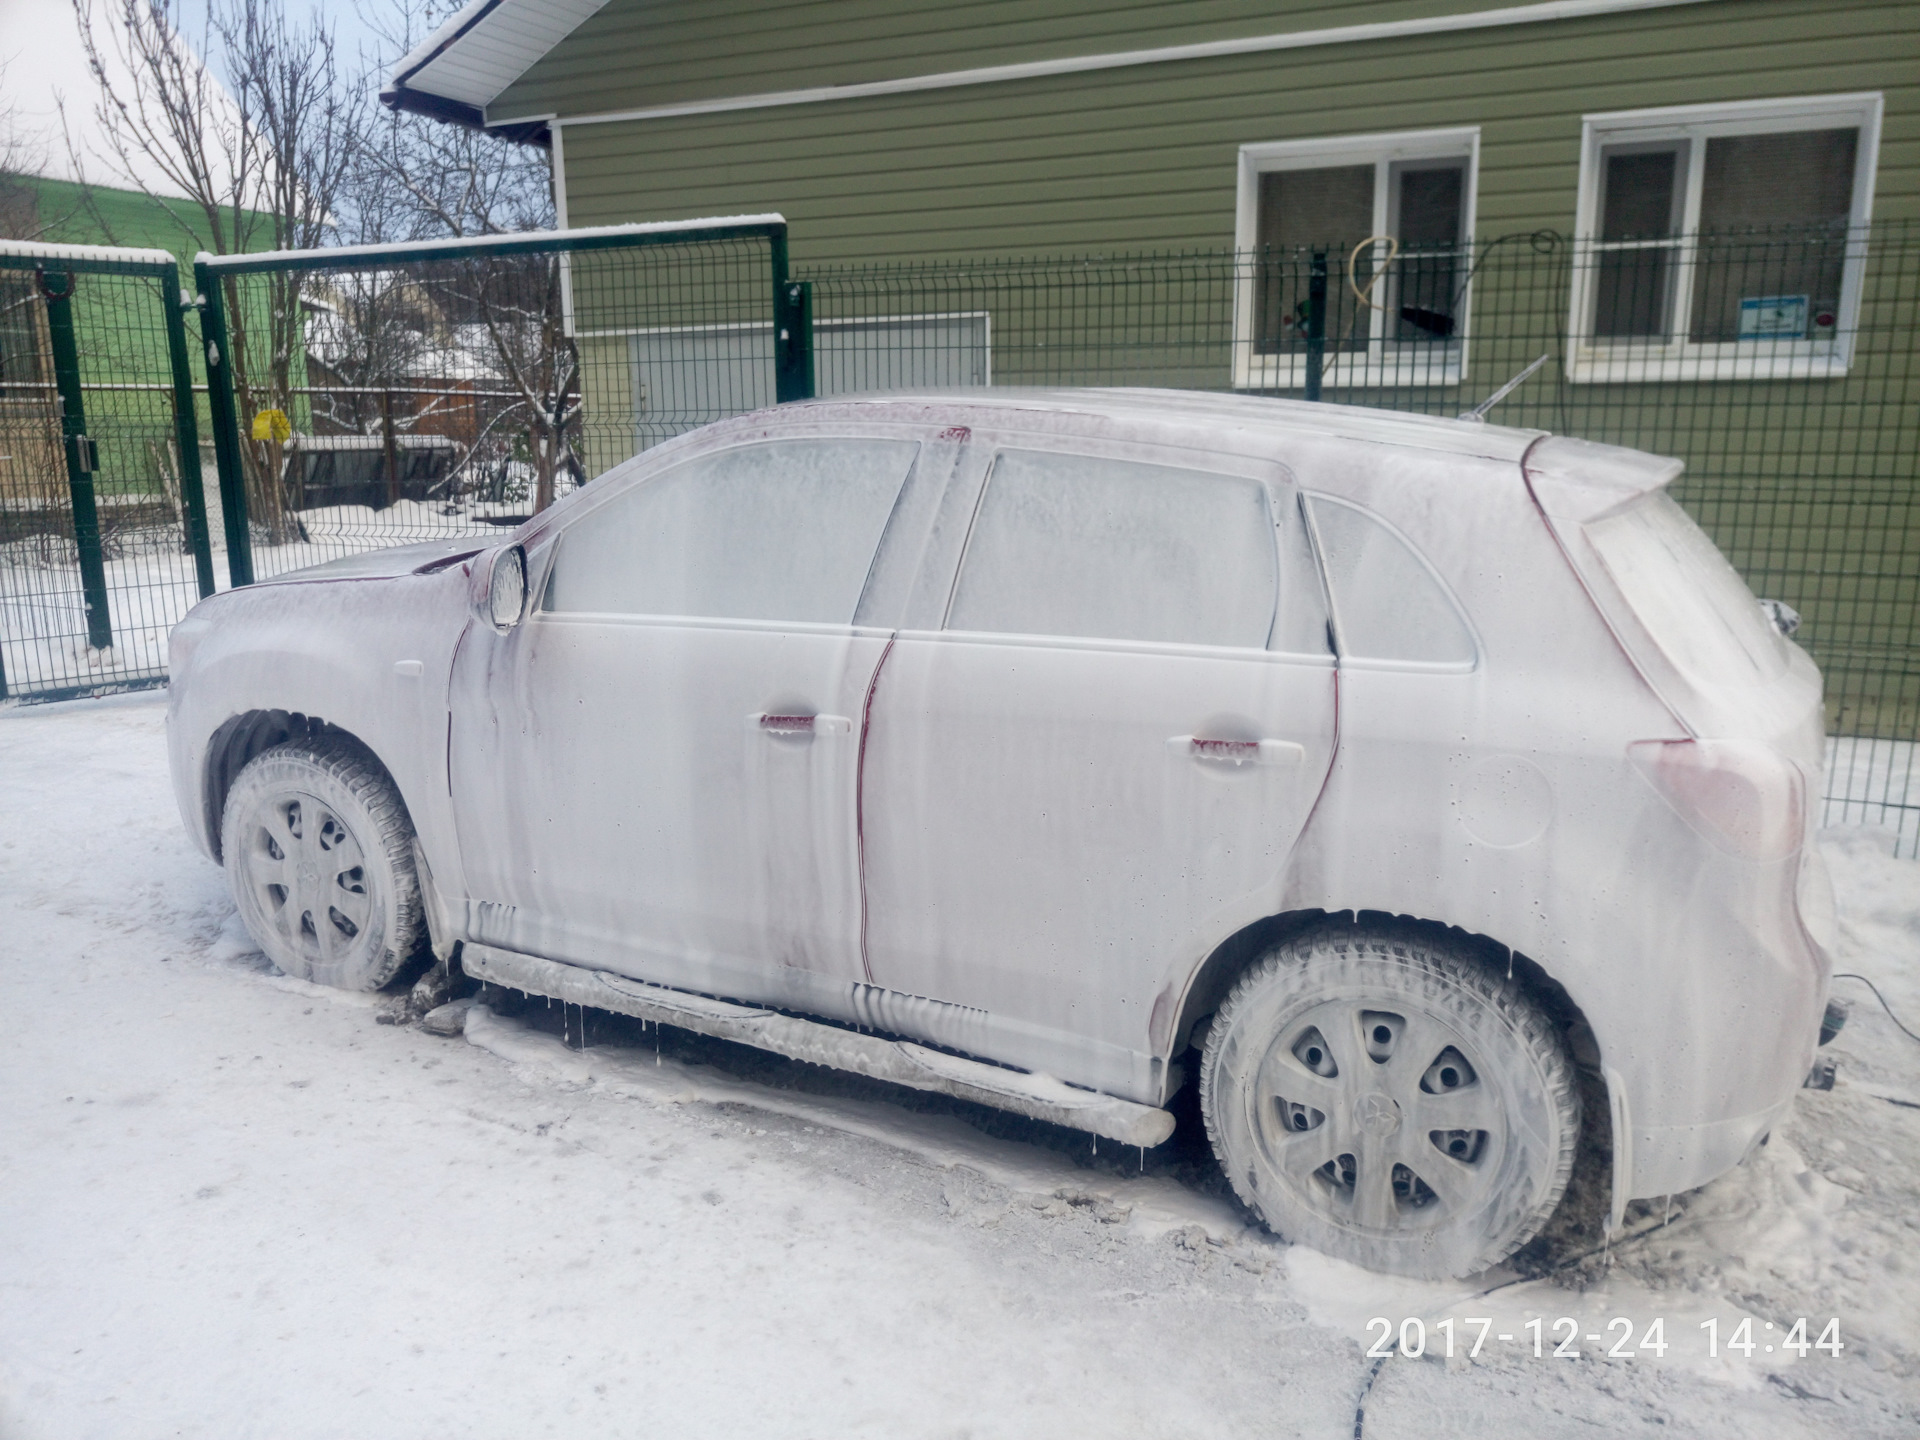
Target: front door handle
x=773, y=724
x=1238, y=752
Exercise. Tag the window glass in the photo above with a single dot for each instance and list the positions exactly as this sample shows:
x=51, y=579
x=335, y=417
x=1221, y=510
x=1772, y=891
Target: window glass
x=1796, y=191
x=1420, y=203
x=1642, y=192
x=1423, y=285
x=1387, y=603
x=1300, y=209
x=1112, y=549
x=1640, y=201
x=1771, y=180
x=1331, y=206
x=783, y=531
x=1697, y=608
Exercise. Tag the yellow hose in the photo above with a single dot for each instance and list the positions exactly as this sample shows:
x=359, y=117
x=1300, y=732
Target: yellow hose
x=1365, y=297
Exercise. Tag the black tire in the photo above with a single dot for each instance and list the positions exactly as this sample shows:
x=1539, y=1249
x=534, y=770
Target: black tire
x=319, y=854
x=1380, y=1094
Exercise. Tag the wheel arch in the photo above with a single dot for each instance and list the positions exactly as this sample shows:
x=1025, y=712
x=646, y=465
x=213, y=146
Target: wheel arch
x=239, y=738
x=1214, y=977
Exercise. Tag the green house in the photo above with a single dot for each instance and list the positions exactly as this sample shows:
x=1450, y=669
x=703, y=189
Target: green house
x=1705, y=213
x=893, y=129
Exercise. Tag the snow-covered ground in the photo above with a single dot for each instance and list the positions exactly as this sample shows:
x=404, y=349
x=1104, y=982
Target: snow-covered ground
x=233, y=1204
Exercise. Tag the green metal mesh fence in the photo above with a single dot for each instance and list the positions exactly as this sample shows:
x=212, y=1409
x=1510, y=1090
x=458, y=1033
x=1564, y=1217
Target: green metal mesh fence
x=103, y=541
x=374, y=397
x=1780, y=365
x=388, y=395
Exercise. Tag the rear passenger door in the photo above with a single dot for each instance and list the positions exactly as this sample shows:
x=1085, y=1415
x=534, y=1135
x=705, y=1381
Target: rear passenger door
x=1096, y=766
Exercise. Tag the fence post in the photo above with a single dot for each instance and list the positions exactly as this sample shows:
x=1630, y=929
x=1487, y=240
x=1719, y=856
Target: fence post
x=186, y=430
x=226, y=426
x=56, y=288
x=793, y=337
x=1316, y=322
x=792, y=327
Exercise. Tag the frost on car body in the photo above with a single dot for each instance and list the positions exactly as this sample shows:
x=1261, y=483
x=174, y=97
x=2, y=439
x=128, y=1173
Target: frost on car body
x=1023, y=724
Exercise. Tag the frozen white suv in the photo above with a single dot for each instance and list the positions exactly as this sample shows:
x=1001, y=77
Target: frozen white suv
x=1015, y=744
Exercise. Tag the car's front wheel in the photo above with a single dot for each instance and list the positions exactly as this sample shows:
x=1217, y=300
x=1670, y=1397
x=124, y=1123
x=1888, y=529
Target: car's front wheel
x=319, y=853
x=1385, y=1097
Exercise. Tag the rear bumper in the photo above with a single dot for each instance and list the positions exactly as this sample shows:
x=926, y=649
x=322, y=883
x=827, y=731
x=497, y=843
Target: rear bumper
x=1670, y=1159
x=1752, y=974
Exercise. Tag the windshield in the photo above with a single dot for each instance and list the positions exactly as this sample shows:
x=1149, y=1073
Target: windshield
x=1694, y=604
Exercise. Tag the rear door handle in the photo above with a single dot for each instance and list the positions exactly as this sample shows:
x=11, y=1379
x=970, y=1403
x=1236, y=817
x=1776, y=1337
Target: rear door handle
x=1238, y=752
x=799, y=724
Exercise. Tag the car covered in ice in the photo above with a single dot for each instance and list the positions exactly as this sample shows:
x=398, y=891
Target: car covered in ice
x=1379, y=775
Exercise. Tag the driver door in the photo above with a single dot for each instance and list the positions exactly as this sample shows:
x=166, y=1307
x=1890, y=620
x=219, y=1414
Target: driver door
x=656, y=773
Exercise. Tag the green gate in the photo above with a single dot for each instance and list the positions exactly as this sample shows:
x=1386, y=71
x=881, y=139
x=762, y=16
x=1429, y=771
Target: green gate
x=370, y=396
x=103, y=523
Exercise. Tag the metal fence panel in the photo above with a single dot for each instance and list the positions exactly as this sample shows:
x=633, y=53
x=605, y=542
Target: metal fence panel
x=380, y=395
x=1779, y=364
x=371, y=397
x=103, y=525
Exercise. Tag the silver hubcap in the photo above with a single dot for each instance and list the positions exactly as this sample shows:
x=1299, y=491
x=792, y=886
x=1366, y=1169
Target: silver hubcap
x=309, y=877
x=1379, y=1118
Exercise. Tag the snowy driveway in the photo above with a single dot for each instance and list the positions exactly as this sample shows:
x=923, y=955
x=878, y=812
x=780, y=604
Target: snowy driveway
x=234, y=1205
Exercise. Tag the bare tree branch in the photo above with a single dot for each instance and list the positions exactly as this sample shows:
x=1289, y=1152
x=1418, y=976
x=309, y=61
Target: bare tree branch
x=260, y=165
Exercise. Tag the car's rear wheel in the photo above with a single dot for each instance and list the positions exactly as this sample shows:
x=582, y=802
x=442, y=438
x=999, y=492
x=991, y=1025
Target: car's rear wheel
x=1385, y=1097
x=319, y=852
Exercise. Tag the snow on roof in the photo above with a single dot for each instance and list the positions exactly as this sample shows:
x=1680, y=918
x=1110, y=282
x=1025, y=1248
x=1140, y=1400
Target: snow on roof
x=1258, y=412
x=480, y=51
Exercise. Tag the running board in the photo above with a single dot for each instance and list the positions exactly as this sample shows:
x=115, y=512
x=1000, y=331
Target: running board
x=901, y=1062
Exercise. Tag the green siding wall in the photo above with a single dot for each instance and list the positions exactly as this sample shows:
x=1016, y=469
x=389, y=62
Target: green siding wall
x=677, y=50
x=1145, y=157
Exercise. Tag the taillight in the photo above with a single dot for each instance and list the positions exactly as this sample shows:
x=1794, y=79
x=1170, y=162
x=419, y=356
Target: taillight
x=1740, y=795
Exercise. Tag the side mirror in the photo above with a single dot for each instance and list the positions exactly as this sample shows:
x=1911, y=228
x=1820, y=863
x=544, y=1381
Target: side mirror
x=499, y=591
x=1785, y=618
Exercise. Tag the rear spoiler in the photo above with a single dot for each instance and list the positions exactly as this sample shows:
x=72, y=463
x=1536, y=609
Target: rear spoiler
x=1577, y=480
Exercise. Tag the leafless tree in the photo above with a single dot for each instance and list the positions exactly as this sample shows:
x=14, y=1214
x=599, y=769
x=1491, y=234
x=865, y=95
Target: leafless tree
x=258, y=164
x=423, y=180
x=21, y=158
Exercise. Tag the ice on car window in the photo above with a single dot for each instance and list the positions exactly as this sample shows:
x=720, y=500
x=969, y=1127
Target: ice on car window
x=1076, y=545
x=1691, y=600
x=1387, y=603
x=782, y=531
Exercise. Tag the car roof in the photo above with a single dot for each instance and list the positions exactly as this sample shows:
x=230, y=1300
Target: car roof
x=1139, y=409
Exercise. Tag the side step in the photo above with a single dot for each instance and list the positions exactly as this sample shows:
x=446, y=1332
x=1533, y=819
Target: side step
x=899, y=1061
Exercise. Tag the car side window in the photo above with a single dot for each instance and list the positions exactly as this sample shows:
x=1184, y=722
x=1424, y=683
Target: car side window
x=1077, y=545
x=781, y=531
x=1388, y=605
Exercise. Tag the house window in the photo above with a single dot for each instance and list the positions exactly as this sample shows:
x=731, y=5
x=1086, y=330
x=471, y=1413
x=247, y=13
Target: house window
x=1396, y=308
x=1722, y=242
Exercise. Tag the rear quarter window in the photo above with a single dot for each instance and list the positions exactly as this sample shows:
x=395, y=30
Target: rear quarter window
x=1388, y=604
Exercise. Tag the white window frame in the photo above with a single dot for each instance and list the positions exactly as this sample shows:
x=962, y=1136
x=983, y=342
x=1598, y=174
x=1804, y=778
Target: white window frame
x=1591, y=360
x=1383, y=362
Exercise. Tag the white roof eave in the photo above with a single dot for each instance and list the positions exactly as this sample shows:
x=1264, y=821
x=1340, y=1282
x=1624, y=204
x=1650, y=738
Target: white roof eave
x=487, y=45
